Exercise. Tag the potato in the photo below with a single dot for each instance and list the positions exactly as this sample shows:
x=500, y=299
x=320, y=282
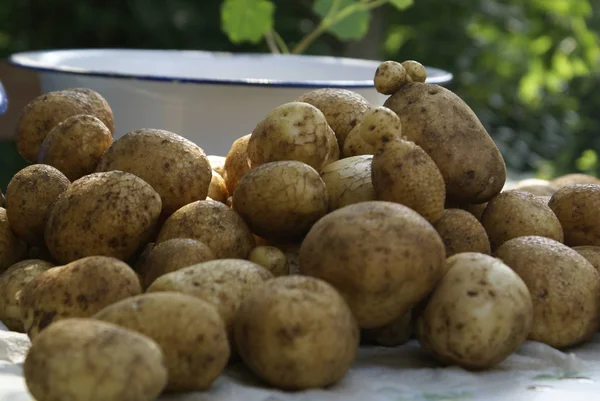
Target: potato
x=389, y=77
x=212, y=223
x=217, y=163
x=296, y=333
x=236, y=162
x=173, y=255
x=591, y=253
x=293, y=131
x=109, y=214
x=478, y=315
x=75, y=145
x=12, y=249
x=449, y=131
x=536, y=186
x=12, y=282
x=281, y=200
x=29, y=196
x=342, y=108
x=271, y=258
x=2, y=199
x=141, y=262
x=462, y=232
x=392, y=334
x=564, y=287
x=476, y=209
x=218, y=189
x=578, y=210
x=291, y=250
x=415, y=70
x=88, y=360
x=78, y=289
x=348, y=181
x=46, y=111
x=175, y=167
x=189, y=331
x=383, y=257
x=378, y=126
x=515, y=213
x=403, y=173
x=571, y=179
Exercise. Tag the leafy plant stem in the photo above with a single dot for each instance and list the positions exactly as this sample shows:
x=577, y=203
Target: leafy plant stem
x=280, y=42
x=270, y=39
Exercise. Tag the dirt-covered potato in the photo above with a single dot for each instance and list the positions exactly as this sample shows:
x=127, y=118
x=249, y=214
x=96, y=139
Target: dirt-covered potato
x=578, y=210
x=378, y=126
x=75, y=145
x=462, y=232
x=271, y=258
x=291, y=250
x=217, y=163
x=415, y=70
x=46, y=111
x=383, y=257
x=176, y=168
x=12, y=282
x=293, y=131
x=296, y=333
x=12, y=249
x=236, y=163
x=591, y=253
x=212, y=223
x=572, y=179
x=281, y=200
x=564, y=287
x=403, y=173
x=449, y=131
x=392, y=334
x=110, y=214
x=515, y=213
x=476, y=209
x=348, y=181
x=78, y=289
x=479, y=314
x=84, y=359
x=29, y=197
x=189, y=331
x=389, y=77
x=175, y=254
x=218, y=189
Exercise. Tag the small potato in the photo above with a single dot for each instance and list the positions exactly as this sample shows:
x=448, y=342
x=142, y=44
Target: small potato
x=415, y=70
x=271, y=258
x=564, y=287
x=12, y=282
x=571, y=179
x=578, y=210
x=217, y=163
x=88, y=360
x=293, y=131
x=462, y=232
x=296, y=333
x=212, y=223
x=78, y=289
x=389, y=77
x=173, y=255
x=591, y=253
x=236, y=162
x=348, y=181
x=29, y=197
x=218, y=189
x=75, y=146
x=291, y=250
x=515, y=213
x=12, y=249
x=393, y=334
x=281, y=200
x=189, y=331
x=378, y=126
x=478, y=315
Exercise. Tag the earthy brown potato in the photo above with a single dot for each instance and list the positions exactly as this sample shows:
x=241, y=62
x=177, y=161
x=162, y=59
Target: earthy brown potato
x=281, y=200
x=348, y=181
x=296, y=333
x=46, y=111
x=212, y=223
x=462, y=232
x=403, y=173
x=12, y=282
x=110, y=214
x=564, y=287
x=236, y=163
x=217, y=163
x=342, y=108
x=578, y=210
x=78, y=289
x=12, y=249
x=141, y=262
x=291, y=250
x=218, y=189
x=449, y=131
x=189, y=331
x=591, y=253
x=271, y=258
x=479, y=314
x=476, y=209
x=2, y=199
x=175, y=167
x=571, y=179
x=84, y=359
x=515, y=213
x=389, y=77
x=383, y=257
x=75, y=145
x=415, y=70
x=29, y=196
x=378, y=126
x=173, y=255
x=391, y=335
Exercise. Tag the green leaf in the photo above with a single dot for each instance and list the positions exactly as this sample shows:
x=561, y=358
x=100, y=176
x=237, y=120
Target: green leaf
x=401, y=4
x=396, y=38
x=246, y=20
x=354, y=27
x=588, y=161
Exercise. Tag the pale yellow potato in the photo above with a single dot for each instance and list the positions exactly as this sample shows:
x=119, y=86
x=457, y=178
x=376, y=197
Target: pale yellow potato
x=575, y=178
x=378, y=126
x=271, y=258
x=236, y=162
x=462, y=232
x=591, y=253
x=217, y=163
x=577, y=207
x=536, y=186
x=392, y=334
x=12, y=249
x=348, y=181
x=389, y=77
x=415, y=70
x=218, y=188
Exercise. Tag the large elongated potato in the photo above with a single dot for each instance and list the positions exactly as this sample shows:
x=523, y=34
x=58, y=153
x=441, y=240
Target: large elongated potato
x=578, y=210
x=348, y=181
x=12, y=249
x=449, y=131
x=110, y=214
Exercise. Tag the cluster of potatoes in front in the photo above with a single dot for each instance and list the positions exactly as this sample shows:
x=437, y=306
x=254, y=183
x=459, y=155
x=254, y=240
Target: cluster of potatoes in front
x=141, y=265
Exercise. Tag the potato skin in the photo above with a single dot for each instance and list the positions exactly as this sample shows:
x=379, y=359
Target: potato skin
x=348, y=181
x=591, y=253
x=389, y=77
x=2, y=199
x=29, y=197
x=383, y=257
x=78, y=289
x=84, y=359
x=217, y=163
x=271, y=258
x=218, y=189
x=236, y=163
x=12, y=249
x=578, y=210
x=438, y=120
x=392, y=334
x=378, y=126
x=296, y=333
x=462, y=232
x=572, y=179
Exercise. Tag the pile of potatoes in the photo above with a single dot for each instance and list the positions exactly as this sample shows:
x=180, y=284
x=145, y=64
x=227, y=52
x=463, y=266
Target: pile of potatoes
x=141, y=265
